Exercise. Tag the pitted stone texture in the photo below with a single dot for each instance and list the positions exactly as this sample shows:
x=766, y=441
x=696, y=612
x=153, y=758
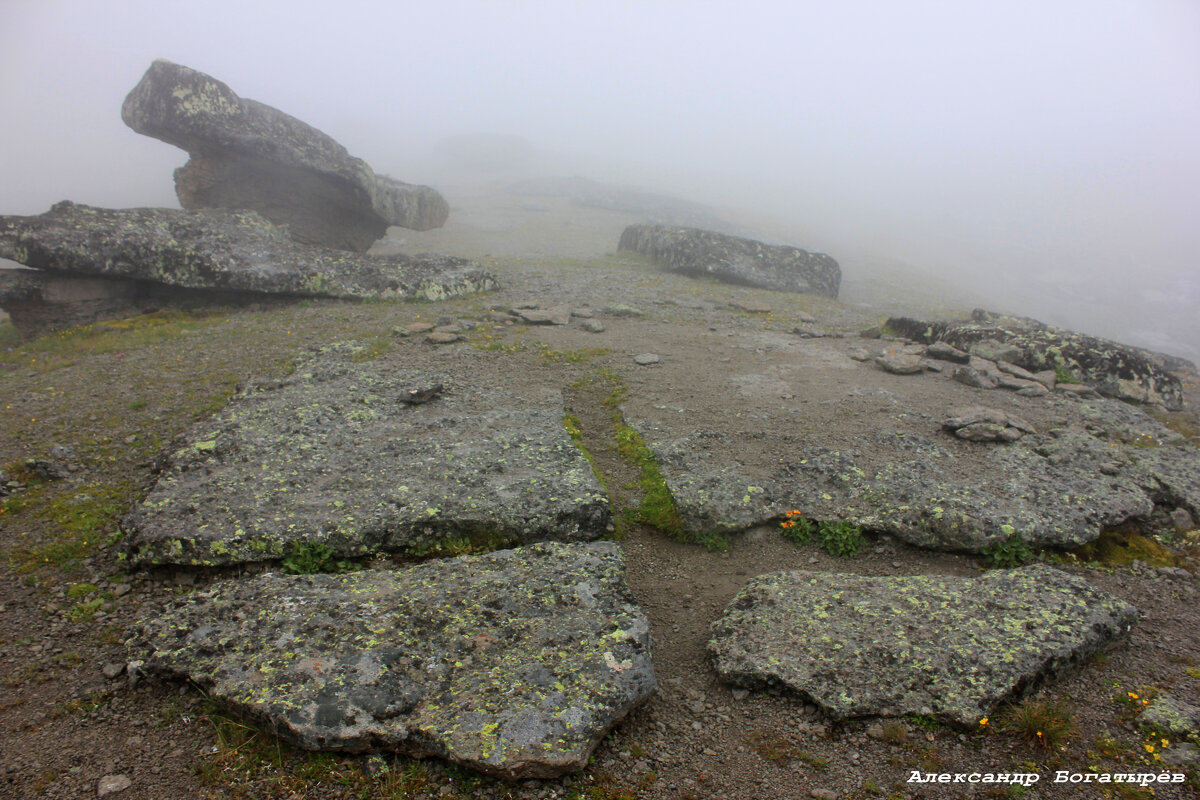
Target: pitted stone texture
x=245, y=154
x=1114, y=370
x=706, y=254
x=515, y=663
x=335, y=455
x=952, y=647
x=222, y=250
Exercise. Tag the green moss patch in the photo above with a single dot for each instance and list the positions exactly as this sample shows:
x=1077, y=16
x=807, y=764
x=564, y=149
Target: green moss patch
x=1122, y=548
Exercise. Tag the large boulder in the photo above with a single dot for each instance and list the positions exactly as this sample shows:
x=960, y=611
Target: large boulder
x=341, y=453
x=514, y=663
x=137, y=251
x=951, y=647
x=244, y=154
x=702, y=253
x=1113, y=369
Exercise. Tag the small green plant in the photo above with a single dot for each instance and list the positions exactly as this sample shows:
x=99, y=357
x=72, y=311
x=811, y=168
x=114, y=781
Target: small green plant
x=83, y=612
x=1041, y=722
x=78, y=590
x=1012, y=552
x=309, y=558
x=894, y=732
x=843, y=539
x=1064, y=375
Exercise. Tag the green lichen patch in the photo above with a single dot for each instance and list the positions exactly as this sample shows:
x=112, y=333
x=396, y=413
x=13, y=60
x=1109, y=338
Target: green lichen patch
x=949, y=647
x=514, y=663
x=332, y=455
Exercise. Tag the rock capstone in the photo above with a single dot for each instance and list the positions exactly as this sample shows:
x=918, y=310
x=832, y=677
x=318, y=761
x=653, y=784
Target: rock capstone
x=953, y=647
x=514, y=663
x=245, y=154
x=702, y=253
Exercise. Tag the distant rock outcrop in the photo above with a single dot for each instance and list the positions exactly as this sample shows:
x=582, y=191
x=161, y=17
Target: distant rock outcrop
x=949, y=647
x=97, y=262
x=1114, y=370
x=244, y=154
x=702, y=253
x=514, y=663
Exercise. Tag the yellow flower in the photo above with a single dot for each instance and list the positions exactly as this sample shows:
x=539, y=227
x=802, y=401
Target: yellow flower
x=787, y=523
x=1149, y=747
x=1166, y=742
x=983, y=721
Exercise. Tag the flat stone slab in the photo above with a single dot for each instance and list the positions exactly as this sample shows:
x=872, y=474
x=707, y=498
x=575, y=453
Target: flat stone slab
x=514, y=663
x=335, y=454
x=222, y=249
x=816, y=431
x=951, y=647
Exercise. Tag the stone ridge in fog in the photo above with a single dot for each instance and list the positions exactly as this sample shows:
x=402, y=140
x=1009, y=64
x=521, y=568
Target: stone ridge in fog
x=702, y=253
x=245, y=154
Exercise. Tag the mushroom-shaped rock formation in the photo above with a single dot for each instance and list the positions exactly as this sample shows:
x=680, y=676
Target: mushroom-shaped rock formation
x=244, y=154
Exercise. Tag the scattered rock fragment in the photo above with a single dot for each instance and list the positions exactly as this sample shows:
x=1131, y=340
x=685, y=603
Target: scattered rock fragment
x=887, y=646
x=444, y=337
x=945, y=352
x=444, y=658
x=544, y=316
x=591, y=325
x=418, y=395
x=900, y=363
x=112, y=784
x=970, y=376
x=646, y=359
x=982, y=424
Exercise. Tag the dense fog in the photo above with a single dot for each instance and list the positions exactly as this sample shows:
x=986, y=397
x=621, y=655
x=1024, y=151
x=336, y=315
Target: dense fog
x=1044, y=155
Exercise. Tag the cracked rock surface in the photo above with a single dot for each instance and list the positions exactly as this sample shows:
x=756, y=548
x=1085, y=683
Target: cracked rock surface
x=514, y=663
x=334, y=454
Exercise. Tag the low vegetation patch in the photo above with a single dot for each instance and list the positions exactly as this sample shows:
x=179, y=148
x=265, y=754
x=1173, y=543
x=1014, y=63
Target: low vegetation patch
x=842, y=539
x=1041, y=722
x=1012, y=552
x=1122, y=548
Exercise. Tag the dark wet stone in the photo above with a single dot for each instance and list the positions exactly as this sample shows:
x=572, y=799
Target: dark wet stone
x=970, y=376
x=515, y=663
x=333, y=456
x=702, y=253
x=248, y=155
x=888, y=646
x=944, y=352
x=544, y=316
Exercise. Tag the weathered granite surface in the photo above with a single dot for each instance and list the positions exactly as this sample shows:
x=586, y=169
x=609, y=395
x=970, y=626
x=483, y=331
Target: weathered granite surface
x=702, y=253
x=245, y=154
x=515, y=663
x=1115, y=370
x=1057, y=471
x=223, y=250
x=335, y=454
x=951, y=647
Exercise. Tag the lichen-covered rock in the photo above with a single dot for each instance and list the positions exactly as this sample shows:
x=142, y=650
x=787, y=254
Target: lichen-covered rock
x=336, y=455
x=245, y=154
x=1170, y=716
x=1098, y=465
x=702, y=253
x=1115, y=370
x=515, y=663
x=222, y=250
x=951, y=647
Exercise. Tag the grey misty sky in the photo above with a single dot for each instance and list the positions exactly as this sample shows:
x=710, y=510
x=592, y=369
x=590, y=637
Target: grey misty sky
x=1053, y=136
